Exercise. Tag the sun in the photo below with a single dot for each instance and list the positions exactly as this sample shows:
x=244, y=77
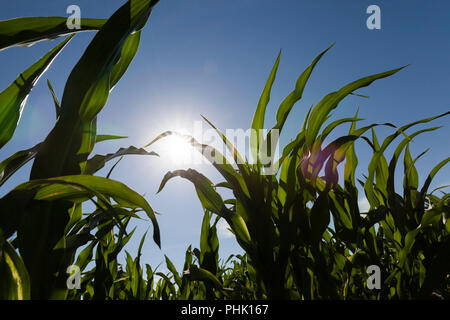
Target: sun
x=177, y=150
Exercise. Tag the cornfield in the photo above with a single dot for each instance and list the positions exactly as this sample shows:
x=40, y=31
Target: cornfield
x=301, y=229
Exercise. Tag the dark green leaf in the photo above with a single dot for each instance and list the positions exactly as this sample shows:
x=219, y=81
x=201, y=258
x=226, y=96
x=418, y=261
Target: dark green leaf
x=29, y=30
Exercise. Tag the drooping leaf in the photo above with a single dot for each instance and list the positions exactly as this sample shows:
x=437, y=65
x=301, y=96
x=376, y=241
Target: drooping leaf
x=29, y=30
x=210, y=199
x=98, y=161
x=52, y=189
x=198, y=274
x=217, y=159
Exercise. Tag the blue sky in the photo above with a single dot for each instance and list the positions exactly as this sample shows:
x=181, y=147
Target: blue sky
x=212, y=57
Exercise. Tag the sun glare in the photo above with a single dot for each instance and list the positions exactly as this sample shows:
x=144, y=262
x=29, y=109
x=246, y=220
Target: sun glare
x=177, y=150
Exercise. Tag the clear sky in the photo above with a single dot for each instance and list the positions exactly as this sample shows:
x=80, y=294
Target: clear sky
x=212, y=57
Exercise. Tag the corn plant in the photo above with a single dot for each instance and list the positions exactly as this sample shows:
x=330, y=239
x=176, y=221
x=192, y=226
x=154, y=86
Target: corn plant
x=412, y=238
x=205, y=275
x=41, y=221
x=282, y=221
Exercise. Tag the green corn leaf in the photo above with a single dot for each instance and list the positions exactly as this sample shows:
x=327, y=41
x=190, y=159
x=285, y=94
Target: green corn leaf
x=97, y=162
x=431, y=217
x=113, y=167
x=15, y=283
x=223, y=184
x=439, y=188
x=168, y=282
x=198, y=274
x=107, y=137
x=239, y=228
x=284, y=188
x=382, y=170
x=378, y=168
x=411, y=176
x=286, y=106
x=237, y=182
x=337, y=153
x=150, y=281
x=344, y=218
x=141, y=244
x=236, y=156
x=288, y=103
x=411, y=179
x=85, y=256
x=359, y=95
x=87, y=90
x=410, y=239
x=329, y=128
x=433, y=173
x=217, y=159
x=102, y=203
x=10, y=165
x=378, y=158
x=51, y=189
x=421, y=198
x=13, y=98
x=136, y=282
x=311, y=165
x=209, y=244
x=390, y=187
x=437, y=270
x=174, y=271
x=210, y=199
x=258, y=118
x=296, y=144
x=331, y=101
x=351, y=160
x=319, y=217
x=129, y=51
x=29, y=30
x=55, y=99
